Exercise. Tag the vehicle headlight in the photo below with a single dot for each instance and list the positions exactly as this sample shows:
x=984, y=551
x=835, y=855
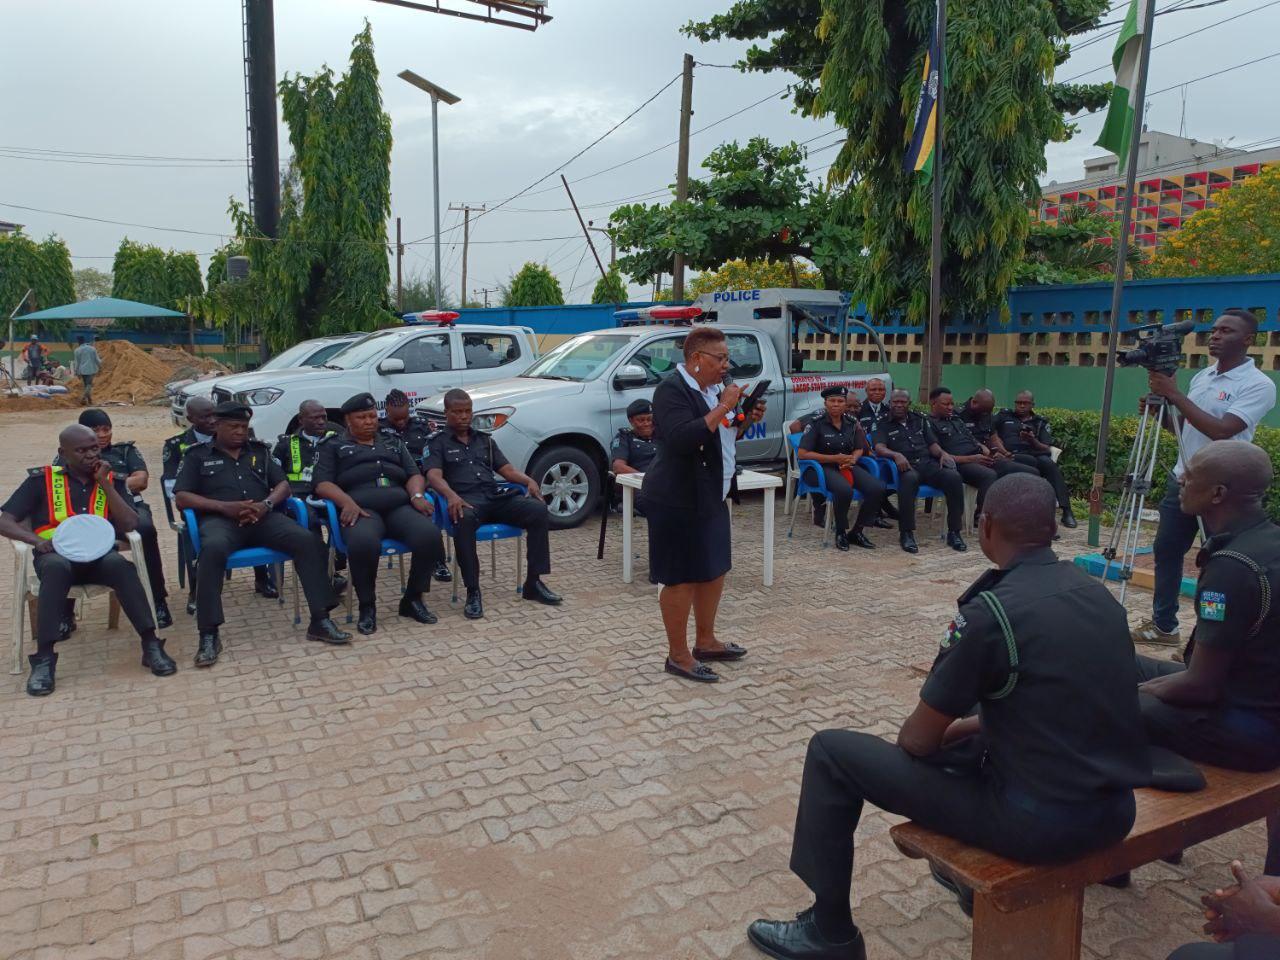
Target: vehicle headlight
x=490, y=420
x=260, y=397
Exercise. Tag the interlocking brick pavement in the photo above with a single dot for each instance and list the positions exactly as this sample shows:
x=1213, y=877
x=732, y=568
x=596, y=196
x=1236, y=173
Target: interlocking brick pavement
x=529, y=786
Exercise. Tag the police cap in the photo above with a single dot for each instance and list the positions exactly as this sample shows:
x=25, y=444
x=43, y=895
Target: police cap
x=638, y=408
x=233, y=410
x=358, y=403
x=838, y=390
x=94, y=418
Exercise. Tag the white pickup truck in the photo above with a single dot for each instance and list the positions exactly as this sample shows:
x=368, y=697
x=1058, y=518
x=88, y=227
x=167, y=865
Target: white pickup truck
x=422, y=360
x=555, y=421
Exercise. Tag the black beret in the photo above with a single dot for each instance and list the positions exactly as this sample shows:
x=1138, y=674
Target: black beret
x=94, y=418
x=839, y=390
x=637, y=407
x=361, y=401
x=233, y=410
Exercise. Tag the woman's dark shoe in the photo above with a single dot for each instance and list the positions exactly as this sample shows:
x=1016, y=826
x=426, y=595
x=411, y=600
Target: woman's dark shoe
x=41, y=682
x=538, y=592
x=964, y=896
x=368, y=620
x=415, y=609
x=860, y=539
x=473, y=609
x=800, y=939
x=156, y=660
x=441, y=573
x=210, y=647
x=908, y=542
x=164, y=619
x=731, y=651
x=326, y=631
x=700, y=673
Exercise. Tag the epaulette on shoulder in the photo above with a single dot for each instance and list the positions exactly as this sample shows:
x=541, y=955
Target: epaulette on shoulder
x=35, y=471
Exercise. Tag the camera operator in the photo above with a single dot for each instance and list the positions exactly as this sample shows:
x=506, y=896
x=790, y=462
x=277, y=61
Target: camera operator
x=1226, y=401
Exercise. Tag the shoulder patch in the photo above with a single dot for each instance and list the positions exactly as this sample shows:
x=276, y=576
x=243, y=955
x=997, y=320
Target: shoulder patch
x=35, y=471
x=955, y=631
x=1213, y=606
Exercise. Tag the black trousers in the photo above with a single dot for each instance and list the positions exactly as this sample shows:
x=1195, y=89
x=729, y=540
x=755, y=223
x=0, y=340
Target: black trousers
x=1174, y=537
x=221, y=536
x=151, y=550
x=1252, y=946
x=517, y=511
x=1235, y=739
x=982, y=477
x=934, y=474
x=58, y=575
x=866, y=483
x=843, y=770
x=403, y=523
x=1050, y=471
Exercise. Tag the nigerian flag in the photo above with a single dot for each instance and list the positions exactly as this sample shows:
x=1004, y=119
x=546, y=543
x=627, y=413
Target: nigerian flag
x=1117, y=132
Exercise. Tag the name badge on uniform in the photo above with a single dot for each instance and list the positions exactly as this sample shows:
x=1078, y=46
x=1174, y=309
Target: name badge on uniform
x=383, y=482
x=1213, y=606
x=306, y=473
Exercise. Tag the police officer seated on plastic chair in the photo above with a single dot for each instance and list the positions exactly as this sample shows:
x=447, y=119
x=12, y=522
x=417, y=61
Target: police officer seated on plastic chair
x=633, y=448
x=976, y=463
x=83, y=484
x=990, y=755
x=461, y=467
x=234, y=487
x=1028, y=438
x=837, y=443
x=402, y=421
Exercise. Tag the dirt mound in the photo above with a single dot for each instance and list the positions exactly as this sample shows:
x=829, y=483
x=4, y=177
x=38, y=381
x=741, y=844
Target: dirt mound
x=129, y=375
x=12, y=404
x=185, y=366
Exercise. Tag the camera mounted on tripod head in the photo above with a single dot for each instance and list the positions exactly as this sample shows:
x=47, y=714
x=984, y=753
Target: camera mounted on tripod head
x=1159, y=347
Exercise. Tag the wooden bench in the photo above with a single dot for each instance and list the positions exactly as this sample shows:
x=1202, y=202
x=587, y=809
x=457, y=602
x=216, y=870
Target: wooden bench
x=1023, y=911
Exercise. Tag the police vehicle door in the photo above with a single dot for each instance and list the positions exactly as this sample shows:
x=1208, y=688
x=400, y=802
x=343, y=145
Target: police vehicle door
x=656, y=360
x=426, y=367
x=747, y=367
x=483, y=353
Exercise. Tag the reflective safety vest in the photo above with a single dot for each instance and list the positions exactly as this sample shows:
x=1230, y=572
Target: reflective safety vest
x=58, y=500
x=297, y=472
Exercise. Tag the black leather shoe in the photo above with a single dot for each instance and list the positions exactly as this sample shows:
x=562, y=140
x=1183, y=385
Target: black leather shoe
x=338, y=585
x=367, y=622
x=820, y=514
x=883, y=523
x=66, y=627
x=442, y=574
x=859, y=539
x=473, y=609
x=908, y=541
x=800, y=939
x=164, y=619
x=538, y=592
x=265, y=588
x=156, y=660
x=1119, y=882
x=842, y=542
x=964, y=895
x=326, y=631
x=1069, y=519
x=210, y=647
x=40, y=683
x=415, y=609
x=956, y=542
x=191, y=605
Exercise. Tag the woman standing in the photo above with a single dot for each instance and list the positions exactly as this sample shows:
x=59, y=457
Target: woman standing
x=684, y=494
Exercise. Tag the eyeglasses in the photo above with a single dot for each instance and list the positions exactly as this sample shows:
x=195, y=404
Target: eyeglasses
x=718, y=357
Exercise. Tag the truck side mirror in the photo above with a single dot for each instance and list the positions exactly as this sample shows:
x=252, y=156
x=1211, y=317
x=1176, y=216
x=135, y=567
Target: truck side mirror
x=631, y=375
x=391, y=365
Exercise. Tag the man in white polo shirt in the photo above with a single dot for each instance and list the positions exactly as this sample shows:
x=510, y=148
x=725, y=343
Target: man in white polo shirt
x=1224, y=402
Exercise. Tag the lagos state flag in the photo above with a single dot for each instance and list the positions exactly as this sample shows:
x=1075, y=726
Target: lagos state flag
x=1117, y=131
x=924, y=132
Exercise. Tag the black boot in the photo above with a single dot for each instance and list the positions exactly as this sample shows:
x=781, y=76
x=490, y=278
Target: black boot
x=800, y=939
x=41, y=683
x=326, y=631
x=860, y=539
x=441, y=573
x=367, y=622
x=842, y=541
x=956, y=542
x=1069, y=519
x=210, y=647
x=413, y=608
x=473, y=609
x=163, y=617
x=156, y=660
x=908, y=540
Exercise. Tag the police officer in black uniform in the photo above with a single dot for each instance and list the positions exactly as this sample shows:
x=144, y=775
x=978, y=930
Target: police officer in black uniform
x=297, y=454
x=1027, y=436
x=1035, y=645
x=633, y=448
x=974, y=460
x=234, y=487
x=404, y=422
x=379, y=491
x=84, y=483
x=874, y=408
x=907, y=438
x=461, y=463
x=977, y=412
x=837, y=443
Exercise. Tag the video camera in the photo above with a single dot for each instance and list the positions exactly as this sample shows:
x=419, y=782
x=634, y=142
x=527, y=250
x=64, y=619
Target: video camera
x=1159, y=347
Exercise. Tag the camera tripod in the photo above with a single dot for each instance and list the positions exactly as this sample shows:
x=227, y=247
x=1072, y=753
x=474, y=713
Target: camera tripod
x=1141, y=467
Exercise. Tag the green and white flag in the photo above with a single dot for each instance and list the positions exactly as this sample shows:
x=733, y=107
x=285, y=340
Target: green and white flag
x=1117, y=132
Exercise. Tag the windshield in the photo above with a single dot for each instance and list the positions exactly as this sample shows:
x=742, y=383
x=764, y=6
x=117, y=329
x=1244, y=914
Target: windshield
x=366, y=349
x=582, y=358
x=293, y=357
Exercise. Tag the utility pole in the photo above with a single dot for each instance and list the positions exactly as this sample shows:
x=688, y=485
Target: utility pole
x=466, y=240
x=260, y=93
x=931, y=368
x=484, y=292
x=613, y=242
x=682, y=169
x=582, y=223
x=399, y=269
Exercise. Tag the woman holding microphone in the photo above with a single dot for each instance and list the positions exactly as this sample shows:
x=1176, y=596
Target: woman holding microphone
x=684, y=494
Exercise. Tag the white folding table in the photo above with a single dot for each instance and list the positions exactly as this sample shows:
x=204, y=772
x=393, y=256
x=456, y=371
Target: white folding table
x=747, y=480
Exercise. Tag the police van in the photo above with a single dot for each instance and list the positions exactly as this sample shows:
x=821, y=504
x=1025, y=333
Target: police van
x=555, y=421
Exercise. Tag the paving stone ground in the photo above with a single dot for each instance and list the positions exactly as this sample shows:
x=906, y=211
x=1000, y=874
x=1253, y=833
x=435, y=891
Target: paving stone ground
x=531, y=786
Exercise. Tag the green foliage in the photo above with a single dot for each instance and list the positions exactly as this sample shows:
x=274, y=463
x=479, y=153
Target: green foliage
x=756, y=204
x=44, y=268
x=1072, y=251
x=90, y=282
x=533, y=286
x=755, y=275
x=1241, y=235
x=610, y=288
x=420, y=294
x=148, y=274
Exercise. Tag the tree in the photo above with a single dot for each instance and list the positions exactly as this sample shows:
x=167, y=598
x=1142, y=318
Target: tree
x=610, y=288
x=533, y=286
x=148, y=274
x=1240, y=235
x=755, y=275
x=420, y=294
x=44, y=268
x=1079, y=248
x=90, y=282
x=757, y=203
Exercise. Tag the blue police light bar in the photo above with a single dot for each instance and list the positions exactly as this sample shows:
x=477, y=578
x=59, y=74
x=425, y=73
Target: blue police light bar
x=443, y=318
x=657, y=315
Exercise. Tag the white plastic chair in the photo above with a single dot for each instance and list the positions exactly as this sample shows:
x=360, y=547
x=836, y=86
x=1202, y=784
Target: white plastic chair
x=26, y=587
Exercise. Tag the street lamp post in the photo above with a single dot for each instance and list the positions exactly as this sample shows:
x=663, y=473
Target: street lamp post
x=437, y=94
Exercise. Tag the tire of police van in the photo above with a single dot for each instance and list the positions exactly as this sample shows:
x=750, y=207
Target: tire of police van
x=570, y=482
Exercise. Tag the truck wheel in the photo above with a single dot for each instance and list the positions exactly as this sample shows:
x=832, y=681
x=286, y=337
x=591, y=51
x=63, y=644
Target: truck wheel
x=570, y=483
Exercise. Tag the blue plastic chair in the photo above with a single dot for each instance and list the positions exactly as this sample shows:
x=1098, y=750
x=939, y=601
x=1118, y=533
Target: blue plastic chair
x=486, y=532
x=804, y=487
x=389, y=547
x=256, y=556
x=889, y=474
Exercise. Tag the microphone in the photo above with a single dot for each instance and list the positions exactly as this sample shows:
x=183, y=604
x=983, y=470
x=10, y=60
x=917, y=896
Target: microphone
x=735, y=415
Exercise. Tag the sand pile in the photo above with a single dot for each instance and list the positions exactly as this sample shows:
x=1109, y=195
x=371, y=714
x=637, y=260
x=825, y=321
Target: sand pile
x=185, y=366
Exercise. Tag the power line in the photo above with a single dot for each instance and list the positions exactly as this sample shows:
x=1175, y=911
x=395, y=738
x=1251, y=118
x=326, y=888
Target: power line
x=114, y=163
x=120, y=156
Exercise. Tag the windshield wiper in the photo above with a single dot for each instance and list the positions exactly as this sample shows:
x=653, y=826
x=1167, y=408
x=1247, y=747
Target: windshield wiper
x=553, y=376
x=329, y=366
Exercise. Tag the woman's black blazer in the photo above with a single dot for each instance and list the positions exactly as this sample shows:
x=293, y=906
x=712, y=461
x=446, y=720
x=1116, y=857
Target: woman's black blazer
x=688, y=470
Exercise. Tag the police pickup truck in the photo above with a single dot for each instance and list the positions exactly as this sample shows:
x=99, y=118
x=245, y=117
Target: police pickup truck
x=429, y=354
x=555, y=421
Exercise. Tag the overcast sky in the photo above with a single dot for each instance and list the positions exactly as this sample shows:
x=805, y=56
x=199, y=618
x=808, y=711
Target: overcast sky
x=165, y=79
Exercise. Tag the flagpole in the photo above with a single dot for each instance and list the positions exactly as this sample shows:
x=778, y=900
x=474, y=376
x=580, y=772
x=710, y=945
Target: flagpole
x=1117, y=290
x=932, y=366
